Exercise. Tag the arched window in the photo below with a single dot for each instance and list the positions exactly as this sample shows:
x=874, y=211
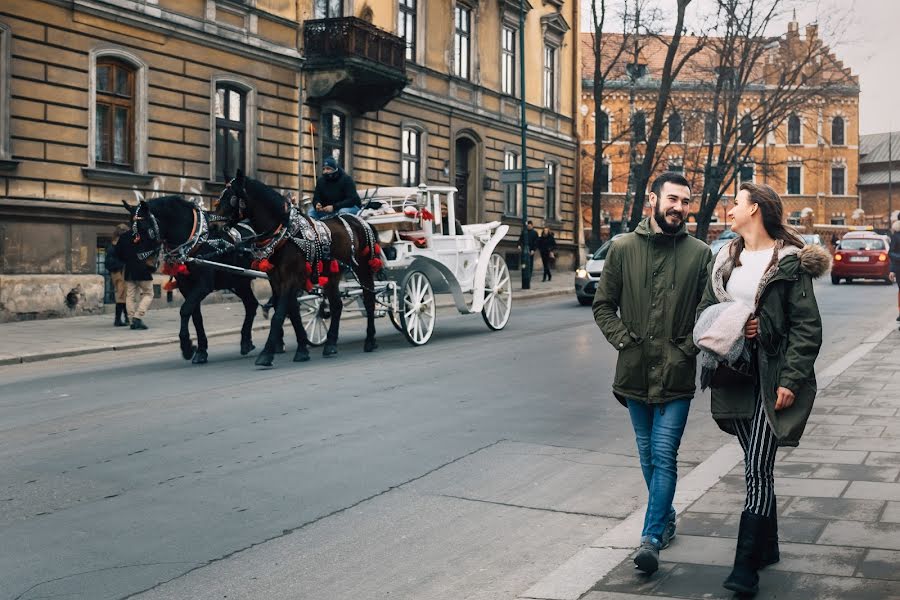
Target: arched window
x=676, y=128
x=604, y=126
x=794, y=129
x=117, y=121
x=747, y=130
x=837, y=131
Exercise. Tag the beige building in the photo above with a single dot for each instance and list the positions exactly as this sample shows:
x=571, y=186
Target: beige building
x=109, y=100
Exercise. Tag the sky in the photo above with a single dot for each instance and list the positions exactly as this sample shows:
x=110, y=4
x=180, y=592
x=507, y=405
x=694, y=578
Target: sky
x=862, y=33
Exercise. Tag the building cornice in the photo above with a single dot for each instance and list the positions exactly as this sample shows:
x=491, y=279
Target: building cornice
x=151, y=17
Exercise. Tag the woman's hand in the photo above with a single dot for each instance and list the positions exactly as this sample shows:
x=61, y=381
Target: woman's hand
x=751, y=328
x=784, y=399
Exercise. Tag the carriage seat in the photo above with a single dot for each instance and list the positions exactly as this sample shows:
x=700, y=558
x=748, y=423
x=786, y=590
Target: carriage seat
x=418, y=238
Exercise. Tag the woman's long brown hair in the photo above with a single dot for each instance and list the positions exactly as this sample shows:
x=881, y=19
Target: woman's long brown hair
x=772, y=209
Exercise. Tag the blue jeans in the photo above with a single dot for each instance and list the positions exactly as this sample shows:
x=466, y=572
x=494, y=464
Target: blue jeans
x=658, y=429
x=315, y=214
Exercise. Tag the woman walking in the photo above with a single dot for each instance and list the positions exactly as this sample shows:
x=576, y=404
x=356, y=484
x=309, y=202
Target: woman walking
x=895, y=259
x=766, y=400
x=547, y=245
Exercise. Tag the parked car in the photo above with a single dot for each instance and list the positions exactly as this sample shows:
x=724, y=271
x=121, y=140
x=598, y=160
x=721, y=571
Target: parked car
x=587, y=276
x=813, y=239
x=725, y=237
x=861, y=255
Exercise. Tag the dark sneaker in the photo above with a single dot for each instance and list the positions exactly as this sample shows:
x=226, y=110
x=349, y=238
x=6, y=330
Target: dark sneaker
x=647, y=557
x=668, y=535
x=138, y=324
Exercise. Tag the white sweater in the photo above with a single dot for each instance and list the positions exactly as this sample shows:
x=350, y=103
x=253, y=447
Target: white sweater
x=744, y=281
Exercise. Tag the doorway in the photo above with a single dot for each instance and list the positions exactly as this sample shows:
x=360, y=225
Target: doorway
x=466, y=174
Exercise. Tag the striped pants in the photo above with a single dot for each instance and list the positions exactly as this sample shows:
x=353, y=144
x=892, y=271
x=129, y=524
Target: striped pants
x=759, y=444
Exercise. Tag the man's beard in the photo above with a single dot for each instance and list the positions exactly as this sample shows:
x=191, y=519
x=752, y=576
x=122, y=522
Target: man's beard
x=664, y=225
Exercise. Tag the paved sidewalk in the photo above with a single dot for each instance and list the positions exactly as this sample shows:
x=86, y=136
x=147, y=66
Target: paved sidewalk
x=28, y=341
x=838, y=504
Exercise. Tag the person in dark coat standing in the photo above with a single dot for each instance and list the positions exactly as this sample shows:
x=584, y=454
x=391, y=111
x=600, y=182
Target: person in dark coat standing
x=895, y=259
x=115, y=266
x=547, y=246
x=335, y=192
x=769, y=269
x=532, y=244
x=138, y=281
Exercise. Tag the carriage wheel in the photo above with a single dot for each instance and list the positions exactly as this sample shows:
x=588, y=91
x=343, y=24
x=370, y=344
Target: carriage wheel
x=417, y=308
x=316, y=320
x=497, y=294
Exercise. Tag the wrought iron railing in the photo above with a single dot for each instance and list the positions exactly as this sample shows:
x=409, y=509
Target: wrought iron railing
x=326, y=39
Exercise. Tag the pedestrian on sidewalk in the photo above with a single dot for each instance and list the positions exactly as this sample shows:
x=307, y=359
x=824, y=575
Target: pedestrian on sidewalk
x=547, y=246
x=531, y=236
x=138, y=281
x=895, y=259
x=768, y=269
x=116, y=268
x=651, y=285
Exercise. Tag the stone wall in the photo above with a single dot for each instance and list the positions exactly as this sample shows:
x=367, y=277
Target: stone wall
x=24, y=297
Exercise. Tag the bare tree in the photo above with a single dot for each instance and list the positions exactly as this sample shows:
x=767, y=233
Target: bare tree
x=781, y=75
x=675, y=60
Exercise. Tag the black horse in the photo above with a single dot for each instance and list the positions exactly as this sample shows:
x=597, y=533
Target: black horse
x=288, y=250
x=173, y=229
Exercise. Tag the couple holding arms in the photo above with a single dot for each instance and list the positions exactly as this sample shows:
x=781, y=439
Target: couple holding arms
x=750, y=314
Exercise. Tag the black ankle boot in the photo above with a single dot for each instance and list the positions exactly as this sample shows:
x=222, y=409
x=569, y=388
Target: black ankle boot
x=743, y=578
x=117, y=322
x=769, y=553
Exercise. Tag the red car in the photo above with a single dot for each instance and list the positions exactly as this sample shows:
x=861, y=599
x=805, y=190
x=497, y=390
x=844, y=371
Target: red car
x=861, y=255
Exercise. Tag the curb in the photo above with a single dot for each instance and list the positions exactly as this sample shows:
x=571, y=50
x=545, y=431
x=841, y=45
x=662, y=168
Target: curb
x=173, y=339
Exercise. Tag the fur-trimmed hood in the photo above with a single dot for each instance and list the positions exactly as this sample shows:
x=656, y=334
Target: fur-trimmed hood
x=815, y=260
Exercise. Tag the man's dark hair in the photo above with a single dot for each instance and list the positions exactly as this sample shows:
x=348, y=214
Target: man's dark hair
x=668, y=177
x=529, y=222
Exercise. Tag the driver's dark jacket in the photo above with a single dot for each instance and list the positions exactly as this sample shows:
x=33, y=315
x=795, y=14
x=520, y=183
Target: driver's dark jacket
x=135, y=268
x=339, y=192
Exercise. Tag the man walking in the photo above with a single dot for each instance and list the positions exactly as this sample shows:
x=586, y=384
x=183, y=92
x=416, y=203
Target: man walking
x=138, y=281
x=532, y=237
x=335, y=192
x=645, y=303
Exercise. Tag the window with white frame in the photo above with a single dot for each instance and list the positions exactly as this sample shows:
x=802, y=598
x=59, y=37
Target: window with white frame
x=508, y=60
x=746, y=173
x=747, y=130
x=604, y=126
x=328, y=9
x=676, y=166
x=406, y=26
x=639, y=126
x=838, y=180
x=512, y=192
x=117, y=121
x=4, y=91
x=231, y=130
x=551, y=191
x=794, y=179
x=550, y=73
x=462, y=41
x=411, y=159
x=334, y=136
x=710, y=129
x=794, y=130
x=676, y=128
x=837, y=131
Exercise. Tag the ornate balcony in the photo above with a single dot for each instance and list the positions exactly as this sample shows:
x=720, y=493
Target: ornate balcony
x=352, y=61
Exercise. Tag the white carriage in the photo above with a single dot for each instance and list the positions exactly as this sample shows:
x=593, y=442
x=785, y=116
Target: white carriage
x=422, y=260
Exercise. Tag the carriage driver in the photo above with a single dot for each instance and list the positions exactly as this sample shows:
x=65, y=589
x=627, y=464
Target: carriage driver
x=335, y=192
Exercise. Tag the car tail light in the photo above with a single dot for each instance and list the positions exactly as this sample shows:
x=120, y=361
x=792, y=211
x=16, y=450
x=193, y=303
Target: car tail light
x=838, y=257
x=882, y=257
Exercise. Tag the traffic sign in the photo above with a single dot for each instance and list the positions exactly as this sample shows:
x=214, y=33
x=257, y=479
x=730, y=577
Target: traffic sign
x=515, y=176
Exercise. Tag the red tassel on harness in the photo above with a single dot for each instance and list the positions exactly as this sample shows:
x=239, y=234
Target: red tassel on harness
x=255, y=265
x=170, y=285
x=377, y=249
x=308, y=269
x=365, y=251
x=320, y=268
x=181, y=269
x=167, y=269
x=323, y=281
x=265, y=266
x=335, y=267
x=309, y=285
x=375, y=264
x=426, y=215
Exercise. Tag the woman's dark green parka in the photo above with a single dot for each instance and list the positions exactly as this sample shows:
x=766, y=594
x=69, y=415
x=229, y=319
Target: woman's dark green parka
x=790, y=335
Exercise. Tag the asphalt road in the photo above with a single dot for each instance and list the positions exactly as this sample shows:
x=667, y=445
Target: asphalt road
x=468, y=468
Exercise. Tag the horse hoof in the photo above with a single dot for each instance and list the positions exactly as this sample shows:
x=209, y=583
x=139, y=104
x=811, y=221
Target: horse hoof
x=329, y=350
x=279, y=349
x=187, y=350
x=200, y=357
x=264, y=360
x=370, y=345
x=247, y=348
x=301, y=356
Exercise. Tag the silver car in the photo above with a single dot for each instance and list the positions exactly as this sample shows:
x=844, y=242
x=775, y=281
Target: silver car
x=587, y=276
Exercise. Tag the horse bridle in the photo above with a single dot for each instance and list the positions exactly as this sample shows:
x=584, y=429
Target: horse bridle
x=235, y=197
x=153, y=233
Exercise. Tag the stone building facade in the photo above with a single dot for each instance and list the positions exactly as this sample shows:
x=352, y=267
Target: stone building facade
x=106, y=100
x=879, y=178
x=811, y=159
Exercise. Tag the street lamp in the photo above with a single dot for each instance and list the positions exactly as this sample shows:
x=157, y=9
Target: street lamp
x=526, y=251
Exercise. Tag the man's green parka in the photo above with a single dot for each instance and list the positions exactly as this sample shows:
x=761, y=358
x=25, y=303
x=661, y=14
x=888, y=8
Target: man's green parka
x=654, y=281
